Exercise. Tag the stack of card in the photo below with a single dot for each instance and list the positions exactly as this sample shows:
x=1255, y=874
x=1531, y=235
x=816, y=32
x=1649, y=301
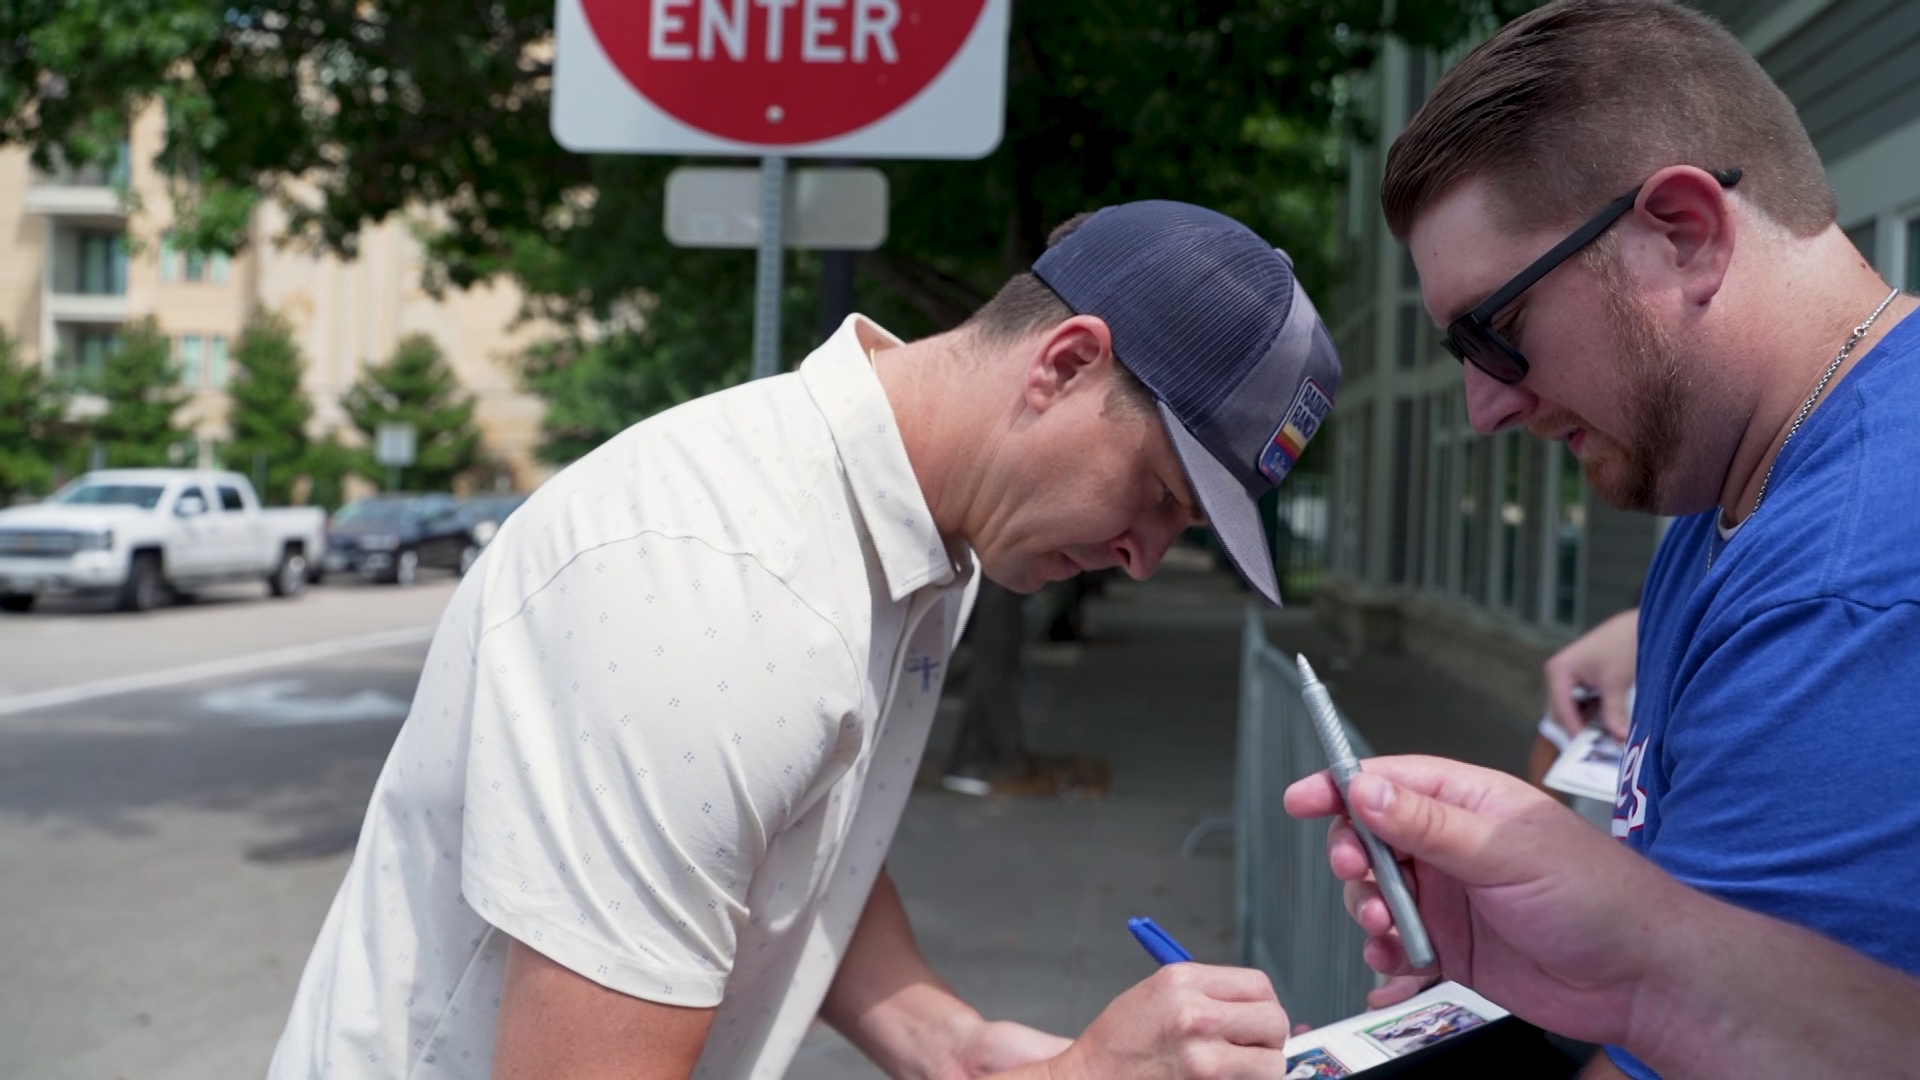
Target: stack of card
x=1375, y=1038
x=1589, y=766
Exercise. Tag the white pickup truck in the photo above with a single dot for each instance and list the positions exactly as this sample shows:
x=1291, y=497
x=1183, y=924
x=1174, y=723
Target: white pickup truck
x=142, y=535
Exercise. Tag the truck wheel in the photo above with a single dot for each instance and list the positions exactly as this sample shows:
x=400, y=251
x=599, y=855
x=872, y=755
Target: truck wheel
x=468, y=556
x=16, y=601
x=290, y=577
x=144, y=588
x=406, y=568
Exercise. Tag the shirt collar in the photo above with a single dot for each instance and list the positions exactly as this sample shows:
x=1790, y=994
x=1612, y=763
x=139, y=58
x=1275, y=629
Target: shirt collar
x=848, y=393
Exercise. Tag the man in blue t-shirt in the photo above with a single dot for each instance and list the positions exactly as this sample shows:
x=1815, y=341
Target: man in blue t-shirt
x=1631, y=241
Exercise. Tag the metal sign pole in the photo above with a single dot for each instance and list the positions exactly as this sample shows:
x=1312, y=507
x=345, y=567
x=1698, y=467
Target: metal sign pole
x=768, y=276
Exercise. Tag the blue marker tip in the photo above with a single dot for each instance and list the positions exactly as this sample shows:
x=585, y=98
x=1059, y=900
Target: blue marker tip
x=1158, y=943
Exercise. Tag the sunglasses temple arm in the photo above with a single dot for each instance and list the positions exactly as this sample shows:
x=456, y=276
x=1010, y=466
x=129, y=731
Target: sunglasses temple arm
x=1560, y=252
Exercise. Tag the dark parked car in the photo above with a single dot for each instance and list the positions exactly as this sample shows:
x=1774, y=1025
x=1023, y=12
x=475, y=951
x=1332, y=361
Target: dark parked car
x=485, y=514
x=390, y=538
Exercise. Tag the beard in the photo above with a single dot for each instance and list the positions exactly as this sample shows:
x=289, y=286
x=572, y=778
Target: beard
x=1633, y=476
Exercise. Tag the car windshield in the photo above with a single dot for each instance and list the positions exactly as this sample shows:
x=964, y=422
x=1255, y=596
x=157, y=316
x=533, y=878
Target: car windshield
x=374, y=512
x=144, y=496
x=493, y=508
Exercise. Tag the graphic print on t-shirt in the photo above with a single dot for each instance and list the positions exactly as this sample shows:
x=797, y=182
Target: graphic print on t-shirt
x=1630, y=802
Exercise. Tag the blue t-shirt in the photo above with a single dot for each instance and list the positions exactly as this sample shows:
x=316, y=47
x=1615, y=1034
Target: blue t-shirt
x=1774, y=759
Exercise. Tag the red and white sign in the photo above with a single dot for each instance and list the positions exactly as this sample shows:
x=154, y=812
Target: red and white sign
x=810, y=78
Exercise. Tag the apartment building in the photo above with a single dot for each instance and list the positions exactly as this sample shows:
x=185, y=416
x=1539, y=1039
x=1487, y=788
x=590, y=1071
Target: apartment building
x=90, y=249
x=1485, y=554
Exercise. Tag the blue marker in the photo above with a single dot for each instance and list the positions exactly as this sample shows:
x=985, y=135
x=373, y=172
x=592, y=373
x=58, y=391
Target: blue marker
x=1158, y=943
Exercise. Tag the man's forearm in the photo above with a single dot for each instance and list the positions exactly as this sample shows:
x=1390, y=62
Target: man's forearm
x=1745, y=996
x=890, y=1004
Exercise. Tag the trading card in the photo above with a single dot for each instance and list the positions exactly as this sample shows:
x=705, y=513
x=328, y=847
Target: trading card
x=1423, y=1027
x=1314, y=1064
x=1605, y=751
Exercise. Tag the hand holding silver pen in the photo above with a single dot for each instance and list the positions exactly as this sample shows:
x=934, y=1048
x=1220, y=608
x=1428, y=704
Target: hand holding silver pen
x=1386, y=870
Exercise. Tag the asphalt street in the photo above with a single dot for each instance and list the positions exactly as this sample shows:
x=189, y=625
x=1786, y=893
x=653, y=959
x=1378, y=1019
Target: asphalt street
x=179, y=795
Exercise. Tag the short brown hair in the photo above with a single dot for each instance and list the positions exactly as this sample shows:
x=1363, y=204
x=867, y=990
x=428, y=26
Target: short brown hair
x=1570, y=105
x=1025, y=305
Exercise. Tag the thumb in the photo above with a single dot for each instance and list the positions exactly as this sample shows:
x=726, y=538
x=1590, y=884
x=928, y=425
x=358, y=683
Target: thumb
x=1454, y=841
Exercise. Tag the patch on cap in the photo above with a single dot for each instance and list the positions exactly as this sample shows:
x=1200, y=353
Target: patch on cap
x=1304, y=417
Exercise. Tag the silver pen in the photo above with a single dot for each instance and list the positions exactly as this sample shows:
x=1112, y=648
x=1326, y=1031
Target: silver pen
x=1386, y=870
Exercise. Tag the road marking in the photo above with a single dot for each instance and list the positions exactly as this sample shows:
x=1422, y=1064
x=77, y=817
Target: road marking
x=238, y=665
x=277, y=703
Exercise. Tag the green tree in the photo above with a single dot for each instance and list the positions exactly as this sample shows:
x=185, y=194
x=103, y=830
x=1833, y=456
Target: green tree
x=141, y=387
x=31, y=440
x=329, y=463
x=270, y=410
x=416, y=386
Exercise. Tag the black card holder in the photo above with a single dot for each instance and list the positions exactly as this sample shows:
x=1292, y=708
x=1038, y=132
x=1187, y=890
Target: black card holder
x=1507, y=1047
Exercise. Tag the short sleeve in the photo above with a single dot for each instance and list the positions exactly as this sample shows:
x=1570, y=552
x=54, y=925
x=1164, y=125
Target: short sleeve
x=1793, y=773
x=644, y=725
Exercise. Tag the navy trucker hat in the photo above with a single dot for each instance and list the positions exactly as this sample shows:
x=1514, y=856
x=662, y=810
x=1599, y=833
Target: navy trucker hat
x=1212, y=320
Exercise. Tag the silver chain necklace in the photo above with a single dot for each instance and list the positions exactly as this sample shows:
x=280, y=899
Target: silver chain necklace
x=1820, y=387
x=1806, y=407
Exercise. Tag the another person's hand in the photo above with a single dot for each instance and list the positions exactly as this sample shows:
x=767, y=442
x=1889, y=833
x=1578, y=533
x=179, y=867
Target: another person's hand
x=1185, y=1022
x=1525, y=902
x=1602, y=660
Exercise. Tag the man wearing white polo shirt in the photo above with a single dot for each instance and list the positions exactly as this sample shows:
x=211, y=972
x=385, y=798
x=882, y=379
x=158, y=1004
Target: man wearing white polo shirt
x=635, y=824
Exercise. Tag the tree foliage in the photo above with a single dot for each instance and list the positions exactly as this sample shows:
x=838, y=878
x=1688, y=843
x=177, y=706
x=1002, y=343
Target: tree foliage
x=141, y=388
x=416, y=386
x=31, y=441
x=270, y=411
x=376, y=108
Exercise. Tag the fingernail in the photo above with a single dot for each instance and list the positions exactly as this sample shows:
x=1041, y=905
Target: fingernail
x=1376, y=792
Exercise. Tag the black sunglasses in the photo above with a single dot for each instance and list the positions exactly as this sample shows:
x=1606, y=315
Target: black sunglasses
x=1471, y=337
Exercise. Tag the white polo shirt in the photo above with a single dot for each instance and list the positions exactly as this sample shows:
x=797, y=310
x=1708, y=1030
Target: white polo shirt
x=663, y=736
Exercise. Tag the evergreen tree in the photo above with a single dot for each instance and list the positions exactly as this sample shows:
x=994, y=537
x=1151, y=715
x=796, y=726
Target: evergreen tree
x=30, y=410
x=270, y=408
x=329, y=463
x=416, y=386
x=142, y=390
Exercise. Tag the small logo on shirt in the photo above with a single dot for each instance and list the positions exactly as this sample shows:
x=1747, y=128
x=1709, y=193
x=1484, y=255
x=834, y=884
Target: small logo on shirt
x=1304, y=417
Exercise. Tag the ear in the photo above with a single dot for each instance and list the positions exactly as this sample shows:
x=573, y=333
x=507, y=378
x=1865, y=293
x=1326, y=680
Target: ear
x=1064, y=359
x=1689, y=215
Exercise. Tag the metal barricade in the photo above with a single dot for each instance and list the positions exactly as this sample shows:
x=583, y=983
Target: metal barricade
x=1292, y=922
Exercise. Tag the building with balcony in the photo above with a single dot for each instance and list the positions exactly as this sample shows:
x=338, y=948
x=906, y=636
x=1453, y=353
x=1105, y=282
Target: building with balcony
x=1483, y=554
x=83, y=263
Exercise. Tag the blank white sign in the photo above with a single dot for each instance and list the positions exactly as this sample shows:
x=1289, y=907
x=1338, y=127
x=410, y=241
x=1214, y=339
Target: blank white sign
x=831, y=209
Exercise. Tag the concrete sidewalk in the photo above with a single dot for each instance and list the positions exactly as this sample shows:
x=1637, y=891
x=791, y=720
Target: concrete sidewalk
x=1022, y=903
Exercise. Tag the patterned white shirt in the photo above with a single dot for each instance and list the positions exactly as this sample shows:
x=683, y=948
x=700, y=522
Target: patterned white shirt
x=663, y=736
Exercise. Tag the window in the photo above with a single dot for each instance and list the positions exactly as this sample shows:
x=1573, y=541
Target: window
x=217, y=267
x=169, y=265
x=196, y=266
x=230, y=498
x=1471, y=548
x=1440, y=425
x=217, y=362
x=1409, y=335
x=87, y=358
x=102, y=264
x=1569, y=536
x=190, y=358
x=1513, y=518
